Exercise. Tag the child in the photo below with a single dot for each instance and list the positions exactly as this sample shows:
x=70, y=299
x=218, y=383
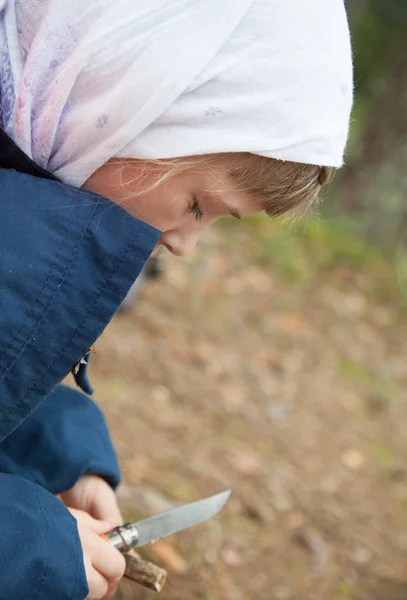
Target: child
x=168, y=114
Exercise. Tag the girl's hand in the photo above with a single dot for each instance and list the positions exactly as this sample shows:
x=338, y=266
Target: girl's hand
x=104, y=565
x=94, y=495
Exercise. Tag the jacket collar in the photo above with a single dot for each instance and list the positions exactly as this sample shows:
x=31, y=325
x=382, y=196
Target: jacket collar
x=12, y=157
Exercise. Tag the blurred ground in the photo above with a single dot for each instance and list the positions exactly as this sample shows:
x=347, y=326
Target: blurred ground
x=272, y=363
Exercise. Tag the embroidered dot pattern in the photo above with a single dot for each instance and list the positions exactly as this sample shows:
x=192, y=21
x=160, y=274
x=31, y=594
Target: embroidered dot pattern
x=102, y=121
x=213, y=111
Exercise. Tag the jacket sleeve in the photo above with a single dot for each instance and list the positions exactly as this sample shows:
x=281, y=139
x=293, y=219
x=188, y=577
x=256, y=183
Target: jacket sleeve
x=67, y=260
x=41, y=555
x=64, y=438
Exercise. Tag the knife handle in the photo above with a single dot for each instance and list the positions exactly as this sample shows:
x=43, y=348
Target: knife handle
x=124, y=537
x=115, y=540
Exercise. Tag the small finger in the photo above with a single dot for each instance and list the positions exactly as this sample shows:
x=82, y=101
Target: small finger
x=97, y=584
x=108, y=561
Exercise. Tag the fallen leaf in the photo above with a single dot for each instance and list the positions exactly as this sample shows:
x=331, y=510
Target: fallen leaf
x=234, y=396
x=282, y=592
x=295, y=519
x=292, y=323
x=280, y=496
x=161, y=394
x=353, y=459
x=361, y=555
x=247, y=462
x=232, y=557
x=313, y=541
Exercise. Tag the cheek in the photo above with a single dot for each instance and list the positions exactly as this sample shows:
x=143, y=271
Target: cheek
x=164, y=208
x=156, y=210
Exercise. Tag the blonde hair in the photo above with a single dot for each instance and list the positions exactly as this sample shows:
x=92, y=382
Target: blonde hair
x=278, y=186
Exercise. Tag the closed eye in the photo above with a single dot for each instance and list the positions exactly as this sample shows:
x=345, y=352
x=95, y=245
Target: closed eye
x=195, y=210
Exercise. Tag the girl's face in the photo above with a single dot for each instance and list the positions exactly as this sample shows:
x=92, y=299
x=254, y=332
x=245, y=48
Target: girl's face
x=181, y=207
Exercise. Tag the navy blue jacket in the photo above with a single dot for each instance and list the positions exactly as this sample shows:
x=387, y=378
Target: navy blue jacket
x=67, y=260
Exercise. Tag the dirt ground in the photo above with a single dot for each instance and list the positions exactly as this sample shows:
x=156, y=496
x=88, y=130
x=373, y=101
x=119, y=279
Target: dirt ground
x=290, y=392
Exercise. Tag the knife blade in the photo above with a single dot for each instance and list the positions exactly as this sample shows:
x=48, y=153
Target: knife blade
x=147, y=531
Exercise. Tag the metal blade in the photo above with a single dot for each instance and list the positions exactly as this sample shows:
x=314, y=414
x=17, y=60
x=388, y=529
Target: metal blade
x=177, y=519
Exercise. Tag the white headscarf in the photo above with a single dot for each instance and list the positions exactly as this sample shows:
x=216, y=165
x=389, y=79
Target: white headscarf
x=83, y=81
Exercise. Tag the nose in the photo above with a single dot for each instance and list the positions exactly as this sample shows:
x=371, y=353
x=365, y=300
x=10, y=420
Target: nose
x=180, y=243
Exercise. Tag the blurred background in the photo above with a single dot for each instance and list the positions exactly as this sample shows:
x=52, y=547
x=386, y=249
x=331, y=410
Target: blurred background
x=274, y=362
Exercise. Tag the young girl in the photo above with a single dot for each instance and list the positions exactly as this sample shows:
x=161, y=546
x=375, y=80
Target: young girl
x=127, y=125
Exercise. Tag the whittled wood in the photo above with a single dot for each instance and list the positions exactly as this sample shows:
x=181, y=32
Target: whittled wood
x=145, y=573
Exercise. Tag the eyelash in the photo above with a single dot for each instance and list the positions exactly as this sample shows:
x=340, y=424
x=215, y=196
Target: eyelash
x=195, y=210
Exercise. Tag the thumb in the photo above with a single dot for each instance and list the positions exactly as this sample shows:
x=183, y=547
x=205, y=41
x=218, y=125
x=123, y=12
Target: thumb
x=104, y=506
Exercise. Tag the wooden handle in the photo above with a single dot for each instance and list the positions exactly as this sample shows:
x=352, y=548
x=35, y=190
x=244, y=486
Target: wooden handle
x=145, y=573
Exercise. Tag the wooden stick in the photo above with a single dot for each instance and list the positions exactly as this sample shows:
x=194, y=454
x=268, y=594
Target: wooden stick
x=145, y=573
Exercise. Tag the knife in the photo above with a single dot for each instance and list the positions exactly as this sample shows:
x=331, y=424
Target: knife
x=147, y=531
x=140, y=533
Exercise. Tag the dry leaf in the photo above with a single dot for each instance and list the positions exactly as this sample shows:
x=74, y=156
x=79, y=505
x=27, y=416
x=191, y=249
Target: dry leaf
x=232, y=557
x=353, y=459
x=295, y=519
x=313, y=541
x=247, y=462
x=292, y=323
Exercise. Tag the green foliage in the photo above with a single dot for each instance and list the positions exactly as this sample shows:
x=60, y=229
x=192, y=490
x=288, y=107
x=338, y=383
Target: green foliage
x=331, y=243
x=355, y=371
x=285, y=252
x=400, y=265
x=378, y=38
x=314, y=245
x=375, y=45
x=183, y=491
x=371, y=189
x=383, y=455
x=345, y=590
x=393, y=12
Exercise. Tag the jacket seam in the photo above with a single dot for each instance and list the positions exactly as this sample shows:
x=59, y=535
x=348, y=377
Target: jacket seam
x=48, y=547
x=78, y=563
x=40, y=319
x=28, y=316
x=77, y=328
